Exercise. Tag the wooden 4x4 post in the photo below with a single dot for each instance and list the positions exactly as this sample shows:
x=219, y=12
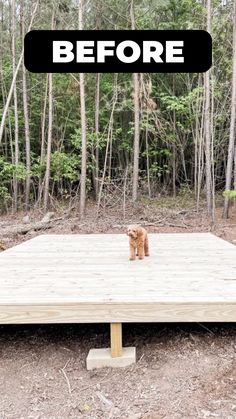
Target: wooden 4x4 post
x=116, y=339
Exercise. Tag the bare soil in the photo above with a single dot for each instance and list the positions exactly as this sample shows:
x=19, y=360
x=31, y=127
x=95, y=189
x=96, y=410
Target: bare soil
x=182, y=370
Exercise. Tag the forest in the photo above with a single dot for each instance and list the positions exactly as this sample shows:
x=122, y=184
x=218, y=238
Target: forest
x=77, y=137
x=86, y=160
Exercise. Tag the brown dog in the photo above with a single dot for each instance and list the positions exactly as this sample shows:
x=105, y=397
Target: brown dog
x=138, y=241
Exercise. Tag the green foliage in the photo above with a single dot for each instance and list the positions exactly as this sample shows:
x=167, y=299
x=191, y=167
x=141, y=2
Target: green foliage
x=230, y=194
x=185, y=191
x=180, y=104
x=37, y=167
x=5, y=197
x=93, y=140
x=8, y=171
x=164, y=152
x=64, y=166
x=157, y=170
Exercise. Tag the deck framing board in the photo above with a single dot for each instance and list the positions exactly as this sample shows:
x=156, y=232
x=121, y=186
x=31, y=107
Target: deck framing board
x=117, y=313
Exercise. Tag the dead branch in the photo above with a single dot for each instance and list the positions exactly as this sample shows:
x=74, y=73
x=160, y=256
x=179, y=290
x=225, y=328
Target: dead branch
x=156, y=224
x=24, y=229
x=66, y=378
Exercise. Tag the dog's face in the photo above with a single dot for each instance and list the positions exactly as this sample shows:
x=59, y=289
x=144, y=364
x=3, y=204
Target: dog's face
x=133, y=231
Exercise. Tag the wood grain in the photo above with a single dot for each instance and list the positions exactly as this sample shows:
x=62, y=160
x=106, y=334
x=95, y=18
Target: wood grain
x=116, y=339
x=88, y=278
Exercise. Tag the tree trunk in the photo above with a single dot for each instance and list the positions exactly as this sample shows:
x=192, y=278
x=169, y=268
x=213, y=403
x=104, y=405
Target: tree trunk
x=235, y=174
x=49, y=144
x=4, y=115
x=208, y=125
x=196, y=136
x=97, y=106
x=232, y=123
x=200, y=155
x=43, y=123
x=147, y=89
x=16, y=130
x=235, y=168
x=42, y=148
x=83, y=128
x=97, y=110
x=109, y=136
x=174, y=147
x=26, y=117
x=212, y=154
x=136, y=120
x=147, y=156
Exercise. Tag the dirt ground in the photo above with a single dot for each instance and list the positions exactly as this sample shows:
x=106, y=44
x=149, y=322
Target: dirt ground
x=182, y=370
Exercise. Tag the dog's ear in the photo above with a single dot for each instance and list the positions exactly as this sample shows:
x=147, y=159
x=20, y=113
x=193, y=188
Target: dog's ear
x=139, y=230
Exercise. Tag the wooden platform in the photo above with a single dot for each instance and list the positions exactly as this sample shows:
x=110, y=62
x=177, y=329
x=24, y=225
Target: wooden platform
x=89, y=279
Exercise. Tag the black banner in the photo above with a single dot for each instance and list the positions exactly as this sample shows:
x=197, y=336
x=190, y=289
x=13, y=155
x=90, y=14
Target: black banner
x=131, y=51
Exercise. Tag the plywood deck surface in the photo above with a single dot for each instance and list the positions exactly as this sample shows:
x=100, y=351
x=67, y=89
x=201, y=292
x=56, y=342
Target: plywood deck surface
x=88, y=278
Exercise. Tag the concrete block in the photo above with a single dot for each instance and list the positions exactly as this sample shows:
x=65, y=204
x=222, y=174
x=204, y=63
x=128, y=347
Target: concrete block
x=101, y=358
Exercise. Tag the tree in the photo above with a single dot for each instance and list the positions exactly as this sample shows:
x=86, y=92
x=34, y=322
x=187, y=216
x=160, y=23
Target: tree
x=26, y=117
x=8, y=101
x=49, y=139
x=136, y=119
x=208, y=134
x=231, y=147
x=96, y=118
x=15, y=182
x=83, y=128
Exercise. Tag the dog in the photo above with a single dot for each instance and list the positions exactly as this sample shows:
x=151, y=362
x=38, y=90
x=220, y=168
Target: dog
x=138, y=241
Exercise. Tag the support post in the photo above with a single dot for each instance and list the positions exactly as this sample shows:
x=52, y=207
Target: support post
x=116, y=339
x=115, y=356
